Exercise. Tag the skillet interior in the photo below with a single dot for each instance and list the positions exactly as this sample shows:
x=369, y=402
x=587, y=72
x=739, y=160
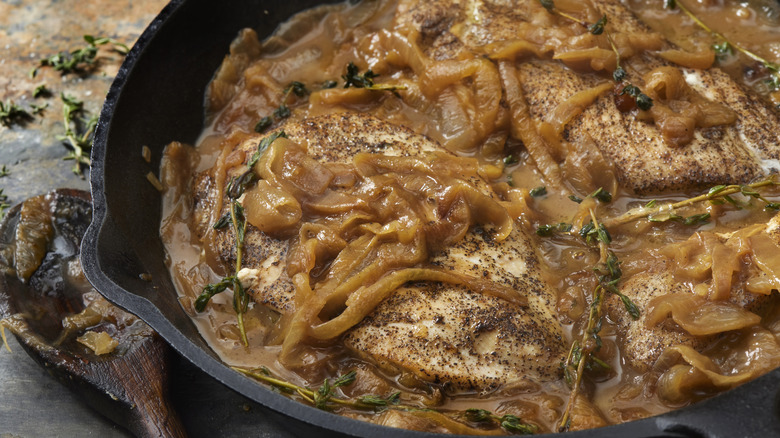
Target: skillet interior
x=157, y=97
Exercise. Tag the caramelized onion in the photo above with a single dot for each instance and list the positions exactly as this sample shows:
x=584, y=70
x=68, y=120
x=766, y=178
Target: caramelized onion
x=697, y=315
x=766, y=255
x=271, y=209
x=678, y=109
x=700, y=60
x=756, y=354
x=523, y=127
x=33, y=233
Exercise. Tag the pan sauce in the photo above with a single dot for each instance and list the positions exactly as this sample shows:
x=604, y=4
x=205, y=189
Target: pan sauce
x=315, y=48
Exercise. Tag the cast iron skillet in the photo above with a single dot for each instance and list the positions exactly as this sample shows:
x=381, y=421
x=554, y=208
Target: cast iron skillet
x=157, y=97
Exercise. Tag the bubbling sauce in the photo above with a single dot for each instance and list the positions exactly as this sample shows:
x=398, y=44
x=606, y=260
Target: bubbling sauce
x=464, y=99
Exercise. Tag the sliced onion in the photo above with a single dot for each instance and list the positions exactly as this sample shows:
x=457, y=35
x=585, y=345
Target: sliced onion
x=699, y=316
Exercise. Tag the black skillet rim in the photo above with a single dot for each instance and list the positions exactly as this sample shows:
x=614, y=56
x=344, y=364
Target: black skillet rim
x=729, y=414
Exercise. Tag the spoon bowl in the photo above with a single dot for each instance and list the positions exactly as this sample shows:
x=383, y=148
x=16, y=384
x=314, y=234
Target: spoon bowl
x=50, y=308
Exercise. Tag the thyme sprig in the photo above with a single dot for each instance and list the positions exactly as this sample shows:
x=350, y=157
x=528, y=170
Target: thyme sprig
x=4, y=171
x=643, y=101
x=719, y=194
x=581, y=355
x=725, y=46
x=282, y=111
x=78, y=59
x=79, y=132
x=325, y=397
x=11, y=113
x=236, y=219
x=508, y=422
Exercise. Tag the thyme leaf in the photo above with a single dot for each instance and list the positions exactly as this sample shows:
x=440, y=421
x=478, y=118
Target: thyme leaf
x=597, y=28
x=601, y=195
x=353, y=79
x=549, y=230
x=264, y=124
x=538, y=191
x=345, y=380
x=722, y=50
x=366, y=80
x=78, y=59
x=79, y=131
x=508, y=422
x=282, y=111
x=297, y=88
x=11, y=113
x=643, y=101
x=40, y=91
x=210, y=290
x=222, y=222
x=373, y=400
x=619, y=74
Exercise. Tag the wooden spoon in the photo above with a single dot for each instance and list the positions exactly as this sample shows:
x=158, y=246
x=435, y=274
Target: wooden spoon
x=48, y=304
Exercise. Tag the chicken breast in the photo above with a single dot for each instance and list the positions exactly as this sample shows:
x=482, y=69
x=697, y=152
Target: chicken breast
x=480, y=342
x=643, y=343
x=731, y=153
x=441, y=333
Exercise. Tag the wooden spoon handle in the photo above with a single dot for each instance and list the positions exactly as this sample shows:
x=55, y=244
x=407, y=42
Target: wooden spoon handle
x=142, y=376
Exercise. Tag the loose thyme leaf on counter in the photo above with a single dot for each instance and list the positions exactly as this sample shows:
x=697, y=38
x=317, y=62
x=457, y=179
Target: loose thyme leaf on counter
x=40, y=91
x=78, y=132
x=11, y=113
x=75, y=60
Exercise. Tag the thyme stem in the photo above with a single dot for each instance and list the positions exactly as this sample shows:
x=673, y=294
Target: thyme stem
x=240, y=301
x=320, y=397
x=717, y=34
x=590, y=342
x=645, y=211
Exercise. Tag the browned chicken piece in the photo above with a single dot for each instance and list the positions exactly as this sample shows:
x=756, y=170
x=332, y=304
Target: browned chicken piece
x=440, y=333
x=642, y=346
x=737, y=152
x=482, y=342
x=643, y=343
